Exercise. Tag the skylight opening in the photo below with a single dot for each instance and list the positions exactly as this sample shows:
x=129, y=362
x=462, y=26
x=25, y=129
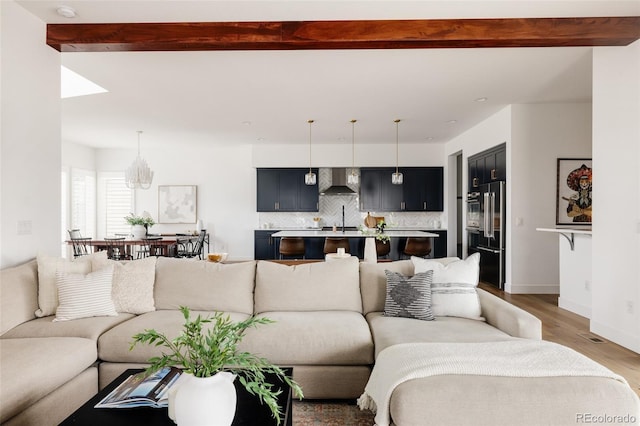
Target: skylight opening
x=73, y=84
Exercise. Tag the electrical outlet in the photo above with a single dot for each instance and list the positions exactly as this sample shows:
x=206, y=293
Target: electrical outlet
x=630, y=306
x=24, y=227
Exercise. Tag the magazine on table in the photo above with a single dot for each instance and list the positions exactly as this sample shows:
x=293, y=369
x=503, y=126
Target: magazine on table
x=139, y=390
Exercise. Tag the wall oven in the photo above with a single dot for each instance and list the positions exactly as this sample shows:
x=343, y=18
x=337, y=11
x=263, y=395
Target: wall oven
x=473, y=210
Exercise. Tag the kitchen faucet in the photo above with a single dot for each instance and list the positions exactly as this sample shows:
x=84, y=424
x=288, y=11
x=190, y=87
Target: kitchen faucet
x=343, y=218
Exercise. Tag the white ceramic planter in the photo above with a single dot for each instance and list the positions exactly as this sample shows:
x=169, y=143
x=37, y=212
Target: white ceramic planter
x=198, y=401
x=138, y=231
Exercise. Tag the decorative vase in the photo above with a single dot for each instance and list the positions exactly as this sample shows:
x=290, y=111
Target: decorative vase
x=199, y=226
x=203, y=400
x=138, y=231
x=370, y=253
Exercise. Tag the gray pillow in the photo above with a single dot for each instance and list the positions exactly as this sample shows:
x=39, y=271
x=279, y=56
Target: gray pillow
x=409, y=297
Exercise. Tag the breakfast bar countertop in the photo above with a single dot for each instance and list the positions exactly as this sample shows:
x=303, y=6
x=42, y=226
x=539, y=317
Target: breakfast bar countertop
x=352, y=234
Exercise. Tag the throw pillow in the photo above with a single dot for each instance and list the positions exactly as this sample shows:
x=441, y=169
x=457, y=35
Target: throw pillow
x=409, y=297
x=453, y=291
x=83, y=296
x=132, y=285
x=47, y=268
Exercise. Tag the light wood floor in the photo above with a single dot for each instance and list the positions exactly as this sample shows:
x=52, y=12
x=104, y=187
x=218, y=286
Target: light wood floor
x=569, y=329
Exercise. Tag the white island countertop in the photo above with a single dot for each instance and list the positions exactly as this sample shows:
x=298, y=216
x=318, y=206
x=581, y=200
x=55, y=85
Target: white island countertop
x=352, y=234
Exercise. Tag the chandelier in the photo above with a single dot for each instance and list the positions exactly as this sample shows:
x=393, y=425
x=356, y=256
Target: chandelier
x=138, y=175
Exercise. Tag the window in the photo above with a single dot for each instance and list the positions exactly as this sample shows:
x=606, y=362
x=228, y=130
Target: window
x=83, y=202
x=115, y=201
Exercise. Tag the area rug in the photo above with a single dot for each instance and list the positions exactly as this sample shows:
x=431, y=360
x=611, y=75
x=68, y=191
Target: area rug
x=330, y=413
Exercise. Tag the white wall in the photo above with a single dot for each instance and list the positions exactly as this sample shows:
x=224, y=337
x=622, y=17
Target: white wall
x=541, y=133
x=616, y=211
x=30, y=138
x=226, y=183
x=334, y=155
x=491, y=132
x=536, y=135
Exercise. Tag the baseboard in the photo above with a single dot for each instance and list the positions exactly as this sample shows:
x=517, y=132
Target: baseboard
x=531, y=289
x=620, y=337
x=576, y=308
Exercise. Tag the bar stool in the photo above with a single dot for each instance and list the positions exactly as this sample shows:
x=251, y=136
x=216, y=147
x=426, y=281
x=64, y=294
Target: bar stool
x=332, y=244
x=382, y=248
x=292, y=246
x=417, y=246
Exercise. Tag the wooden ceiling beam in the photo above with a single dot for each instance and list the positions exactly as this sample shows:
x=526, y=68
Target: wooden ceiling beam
x=383, y=34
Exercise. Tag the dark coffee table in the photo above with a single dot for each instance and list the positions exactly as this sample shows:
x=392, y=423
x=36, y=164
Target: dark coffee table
x=249, y=411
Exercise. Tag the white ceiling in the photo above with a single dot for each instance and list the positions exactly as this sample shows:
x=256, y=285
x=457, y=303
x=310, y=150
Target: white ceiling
x=261, y=97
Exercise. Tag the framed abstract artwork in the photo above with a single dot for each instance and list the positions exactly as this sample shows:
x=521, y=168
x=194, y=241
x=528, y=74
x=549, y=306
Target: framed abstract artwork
x=177, y=204
x=573, y=191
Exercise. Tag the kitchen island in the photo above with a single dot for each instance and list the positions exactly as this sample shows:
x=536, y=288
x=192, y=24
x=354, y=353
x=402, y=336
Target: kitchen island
x=369, y=249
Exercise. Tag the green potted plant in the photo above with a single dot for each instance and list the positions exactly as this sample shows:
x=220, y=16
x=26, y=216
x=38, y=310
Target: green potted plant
x=207, y=349
x=139, y=224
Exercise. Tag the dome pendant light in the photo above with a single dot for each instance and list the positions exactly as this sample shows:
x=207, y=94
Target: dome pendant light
x=310, y=178
x=352, y=179
x=138, y=175
x=396, y=178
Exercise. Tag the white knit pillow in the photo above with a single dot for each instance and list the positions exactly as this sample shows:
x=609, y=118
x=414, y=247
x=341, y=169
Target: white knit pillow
x=453, y=290
x=133, y=282
x=83, y=296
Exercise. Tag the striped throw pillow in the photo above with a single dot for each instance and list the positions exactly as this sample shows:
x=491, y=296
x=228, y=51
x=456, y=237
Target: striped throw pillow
x=82, y=296
x=453, y=290
x=408, y=297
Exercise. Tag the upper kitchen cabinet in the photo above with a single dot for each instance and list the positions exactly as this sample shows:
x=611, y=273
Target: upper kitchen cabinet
x=284, y=190
x=488, y=166
x=421, y=191
x=377, y=193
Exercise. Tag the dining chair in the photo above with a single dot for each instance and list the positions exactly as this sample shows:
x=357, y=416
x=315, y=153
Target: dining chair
x=190, y=246
x=78, y=242
x=116, y=248
x=150, y=247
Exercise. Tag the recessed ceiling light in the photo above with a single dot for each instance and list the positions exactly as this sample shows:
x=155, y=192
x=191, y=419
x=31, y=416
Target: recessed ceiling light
x=429, y=138
x=66, y=11
x=246, y=123
x=482, y=99
x=261, y=139
x=452, y=121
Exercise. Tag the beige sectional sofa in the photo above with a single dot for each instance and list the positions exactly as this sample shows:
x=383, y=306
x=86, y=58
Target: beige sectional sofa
x=329, y=327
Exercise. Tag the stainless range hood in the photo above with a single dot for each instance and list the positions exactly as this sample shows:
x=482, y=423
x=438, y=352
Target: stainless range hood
x=338, y=183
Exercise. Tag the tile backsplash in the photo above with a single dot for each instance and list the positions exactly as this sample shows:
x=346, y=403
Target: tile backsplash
x=330, y=213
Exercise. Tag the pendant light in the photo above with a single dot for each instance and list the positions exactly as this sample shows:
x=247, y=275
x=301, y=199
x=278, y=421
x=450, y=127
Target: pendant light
x=310, y=178
x=353, y=176
x=396, y=178
x=138, y=175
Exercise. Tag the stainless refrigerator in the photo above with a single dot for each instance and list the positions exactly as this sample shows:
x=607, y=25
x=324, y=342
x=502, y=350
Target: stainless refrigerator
x=486, y=233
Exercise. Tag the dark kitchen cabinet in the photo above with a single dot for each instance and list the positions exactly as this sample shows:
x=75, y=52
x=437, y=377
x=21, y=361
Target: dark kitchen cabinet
x=284, y=190
x=488, y=166
x=265, y=246
x=377, y=193
x=422, y=189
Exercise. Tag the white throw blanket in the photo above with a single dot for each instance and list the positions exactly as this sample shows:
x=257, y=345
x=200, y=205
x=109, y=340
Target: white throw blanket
x=514, y=358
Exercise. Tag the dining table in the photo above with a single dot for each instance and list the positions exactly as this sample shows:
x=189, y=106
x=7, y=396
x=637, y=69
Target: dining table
x=370, y=254
x=164, y=244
